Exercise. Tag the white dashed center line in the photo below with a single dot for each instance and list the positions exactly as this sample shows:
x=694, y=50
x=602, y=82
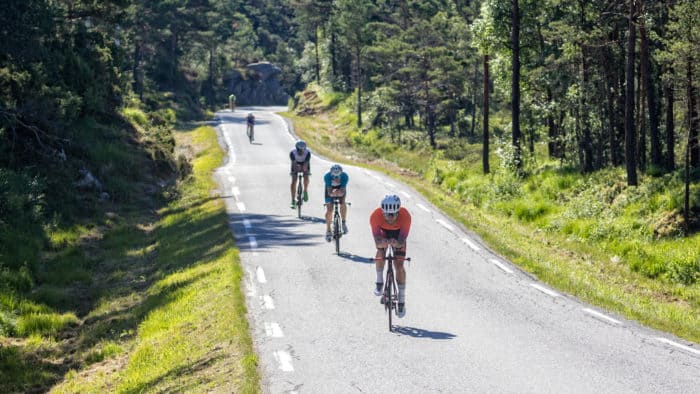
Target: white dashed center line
x=505, y=268
x=471, y=244
x=445, y=224
x=545, y=290
x=423, y=207
x=284, y=360
x=601, y=316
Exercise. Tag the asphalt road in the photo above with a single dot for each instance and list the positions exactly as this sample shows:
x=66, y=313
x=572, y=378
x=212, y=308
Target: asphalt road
x=474, y=323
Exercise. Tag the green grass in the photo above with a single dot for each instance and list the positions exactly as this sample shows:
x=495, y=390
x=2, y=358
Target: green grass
x=614, y=246
x=136, y=301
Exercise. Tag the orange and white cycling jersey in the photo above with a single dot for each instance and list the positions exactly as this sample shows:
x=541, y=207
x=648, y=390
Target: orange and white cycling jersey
x=382, y=228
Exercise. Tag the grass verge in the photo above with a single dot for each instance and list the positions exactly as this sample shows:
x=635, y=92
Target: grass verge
x=157, y=300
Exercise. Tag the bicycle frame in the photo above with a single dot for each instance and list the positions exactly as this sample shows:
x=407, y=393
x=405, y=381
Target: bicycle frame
x=336, y=229
x=390, y=296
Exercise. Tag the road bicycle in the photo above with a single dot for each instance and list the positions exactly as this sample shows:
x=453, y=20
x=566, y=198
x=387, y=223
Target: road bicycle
x=390, y=296
x=250, y=133
x=337, y=223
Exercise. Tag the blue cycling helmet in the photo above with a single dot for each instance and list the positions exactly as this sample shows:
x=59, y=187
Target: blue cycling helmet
x=300, y=145
x=336, y=170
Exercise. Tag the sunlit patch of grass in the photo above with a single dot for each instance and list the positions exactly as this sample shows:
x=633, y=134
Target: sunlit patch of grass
x=102, y=351
x=44, y=323
x=63, y=237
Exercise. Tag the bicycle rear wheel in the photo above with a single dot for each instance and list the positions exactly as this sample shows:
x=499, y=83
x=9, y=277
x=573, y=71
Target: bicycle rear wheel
x=336, y=233
x=299, y=199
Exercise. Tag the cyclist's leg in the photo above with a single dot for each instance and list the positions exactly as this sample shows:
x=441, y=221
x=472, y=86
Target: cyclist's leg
x=379, y=267
x=293, y=187
x=329, y=212
x=306, y=185
x=343, y=207
x=400, y=278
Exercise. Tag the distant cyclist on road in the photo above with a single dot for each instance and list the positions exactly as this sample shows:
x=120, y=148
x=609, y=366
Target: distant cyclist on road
x=336, y=182
x=300, y=157
x=390, y=225
x=232, y=102
x=250, y=123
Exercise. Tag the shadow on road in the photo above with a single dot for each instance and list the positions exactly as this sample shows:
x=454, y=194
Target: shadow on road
x=356, y=258
x=269, y=230
x=421, y=333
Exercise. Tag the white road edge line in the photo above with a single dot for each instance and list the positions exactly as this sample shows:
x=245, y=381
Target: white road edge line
x=423, y=207
x=284, y=360
x=390, y=185
x=545, y=290
x=471, y=244
x=261, y=275
x=273, y=330
x=405, y=194
x=268, y=302
x=679, y=346
x=249, y=284
x=502, y=266
x=601, y=316
x=445, y=224
x=241, y=206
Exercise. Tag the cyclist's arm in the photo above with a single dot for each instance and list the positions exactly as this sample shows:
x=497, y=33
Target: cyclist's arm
x=404, y=222
x=375, y=221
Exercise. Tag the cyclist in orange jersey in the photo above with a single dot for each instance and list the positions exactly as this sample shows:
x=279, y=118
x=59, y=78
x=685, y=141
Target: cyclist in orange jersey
x=390, y=225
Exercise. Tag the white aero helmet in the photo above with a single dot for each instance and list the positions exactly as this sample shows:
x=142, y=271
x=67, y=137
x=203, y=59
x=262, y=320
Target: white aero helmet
x=391, y=204
x=336, y=170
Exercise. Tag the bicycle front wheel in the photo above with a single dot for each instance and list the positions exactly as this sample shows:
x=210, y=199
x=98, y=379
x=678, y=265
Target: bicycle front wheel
x=389, y=304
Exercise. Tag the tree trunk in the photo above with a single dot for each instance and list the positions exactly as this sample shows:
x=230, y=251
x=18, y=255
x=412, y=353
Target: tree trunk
x=611, y=110
x=136, y=71
x=693, y=117
x=318, y=62
x=630, y=134
x=647, y=81
x=670, y=132
x=210, y=94
x=358, y=72
x=552, y=144
x=485, y=151
x=515, y=85
x=586, y=138
x=476, y=79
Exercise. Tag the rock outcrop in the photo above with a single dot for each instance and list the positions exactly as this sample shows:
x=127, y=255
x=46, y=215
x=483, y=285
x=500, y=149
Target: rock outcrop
x=259, y=85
